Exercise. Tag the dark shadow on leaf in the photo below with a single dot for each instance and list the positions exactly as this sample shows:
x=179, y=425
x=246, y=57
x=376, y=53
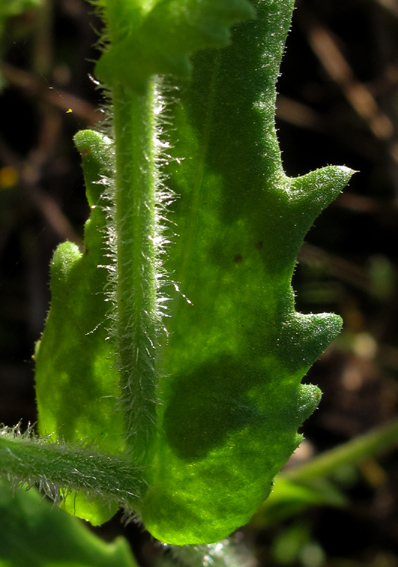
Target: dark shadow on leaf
x=207, y=405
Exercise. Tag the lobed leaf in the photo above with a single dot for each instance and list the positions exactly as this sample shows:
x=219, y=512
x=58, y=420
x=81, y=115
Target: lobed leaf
x=83, y=402
x=236, y=354
x=160, y=40
x=76, y=382
x=230, y=392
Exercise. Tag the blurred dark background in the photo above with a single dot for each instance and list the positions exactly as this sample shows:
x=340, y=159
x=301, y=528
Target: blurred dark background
x=338, y=104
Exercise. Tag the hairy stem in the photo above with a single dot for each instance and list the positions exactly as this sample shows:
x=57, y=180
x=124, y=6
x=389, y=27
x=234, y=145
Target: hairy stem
x=136, y=319
x=56, y=464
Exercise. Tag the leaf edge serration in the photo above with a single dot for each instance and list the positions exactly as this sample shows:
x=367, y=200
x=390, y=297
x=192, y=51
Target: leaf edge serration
x=180, y=29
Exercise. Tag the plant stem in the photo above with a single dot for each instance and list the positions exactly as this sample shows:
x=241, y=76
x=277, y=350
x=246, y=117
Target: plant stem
x=352, y=452
x=136, y=319
x=46, y=463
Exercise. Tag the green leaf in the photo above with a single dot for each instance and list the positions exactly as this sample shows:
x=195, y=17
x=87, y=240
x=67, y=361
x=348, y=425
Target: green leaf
x=237, y=351
x=33, y=533
x=230, y=393
x=160, y=40
x=289, y=498
x=79, y=391
x=76, y=381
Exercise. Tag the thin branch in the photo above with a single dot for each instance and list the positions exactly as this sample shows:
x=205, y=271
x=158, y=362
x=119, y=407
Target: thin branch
x=368, y=445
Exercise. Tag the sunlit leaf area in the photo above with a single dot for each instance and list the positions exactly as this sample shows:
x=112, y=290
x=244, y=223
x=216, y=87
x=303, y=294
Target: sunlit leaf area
x=335, y=503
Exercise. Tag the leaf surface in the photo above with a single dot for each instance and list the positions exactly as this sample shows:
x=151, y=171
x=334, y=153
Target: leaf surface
x=76, y=381
x=237, y=351
x=160, y=39
x=230, y=393
x=33, y=533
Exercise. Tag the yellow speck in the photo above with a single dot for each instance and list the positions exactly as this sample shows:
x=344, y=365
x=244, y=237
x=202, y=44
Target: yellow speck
x=69, y=111
x=8, y=177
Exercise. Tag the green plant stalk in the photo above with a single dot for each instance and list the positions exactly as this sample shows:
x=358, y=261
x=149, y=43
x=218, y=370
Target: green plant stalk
x=352, y=452
x=58, y=465
x=307, y=485
x=136, y=288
